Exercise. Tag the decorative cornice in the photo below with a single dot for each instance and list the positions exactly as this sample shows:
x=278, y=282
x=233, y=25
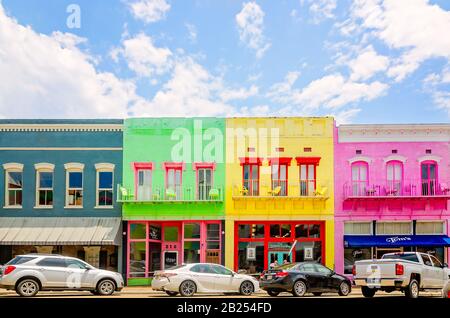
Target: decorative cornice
x=60, y=127
x=429, y=158
x=74, y=166
x=360, y=158
x=44, y=165
x=397, y=132
x=395, y=158
x=104, y=166
x=13, y=165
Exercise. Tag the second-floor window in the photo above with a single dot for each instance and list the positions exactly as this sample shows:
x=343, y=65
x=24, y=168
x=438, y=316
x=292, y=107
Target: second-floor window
x=173, y=183
x=429, y=177
x=251, y=179
x=359, y=178
x=144, y=184
x=279, y=179
x=394, y=170
x=45, y=188
x=204, y=177
x=13, y=188
x=74, y=189
x=105, y=188
x=307, y=179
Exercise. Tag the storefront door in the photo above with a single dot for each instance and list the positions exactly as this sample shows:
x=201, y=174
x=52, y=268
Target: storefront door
x=171, y=245
x=381, y=251
x=280, y=257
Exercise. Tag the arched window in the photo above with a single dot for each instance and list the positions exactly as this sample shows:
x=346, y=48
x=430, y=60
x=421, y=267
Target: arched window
x=394, y=177
x=360, y=178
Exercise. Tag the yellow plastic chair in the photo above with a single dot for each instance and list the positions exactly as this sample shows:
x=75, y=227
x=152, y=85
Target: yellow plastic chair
x=276, y=191
x=321, y=192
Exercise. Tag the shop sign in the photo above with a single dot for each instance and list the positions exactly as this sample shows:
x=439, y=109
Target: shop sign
x=309, y=253
x=170, y=259
x=251, y=253
x=357, y=253
x=395, y=239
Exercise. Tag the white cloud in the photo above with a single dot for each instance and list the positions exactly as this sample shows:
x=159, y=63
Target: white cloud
x=142, y=56
x=278, y=90
x=44, y=76
x=437, y=85
x=250, y=22
x=192, y=32
x=322, y=9
x=149, y=11
x=329, y=92
x=414, y=27
x=345, y=116
x=367, y=64
x=241, y=93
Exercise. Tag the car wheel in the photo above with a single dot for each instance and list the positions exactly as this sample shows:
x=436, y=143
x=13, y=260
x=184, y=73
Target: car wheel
x=412, y=291
x=344, y=289
x=299, y=288
x=106, y=287
x=27, y=288
x=368, y=292
x=171, y=293
x=317, y=294
x=246, y=288
x=188, y=288
x=273, y=293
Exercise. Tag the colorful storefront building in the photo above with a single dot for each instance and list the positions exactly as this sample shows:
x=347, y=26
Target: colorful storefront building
x=59, y=179
x=279, y=192
x=172, y=193
x=392, y=189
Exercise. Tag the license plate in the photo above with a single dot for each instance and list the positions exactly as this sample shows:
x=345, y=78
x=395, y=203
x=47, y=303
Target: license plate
x=373, y=280
x=269, y=277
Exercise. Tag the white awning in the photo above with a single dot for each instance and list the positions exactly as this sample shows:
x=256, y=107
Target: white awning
x=60, y=231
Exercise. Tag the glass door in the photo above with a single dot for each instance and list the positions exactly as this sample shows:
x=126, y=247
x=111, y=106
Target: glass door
x=429, y=178
x=173, y=187
x=359, y=179
x=144, y=188
x=171, y=245
x=278, y=258
x=307, y=179
x=394, y=178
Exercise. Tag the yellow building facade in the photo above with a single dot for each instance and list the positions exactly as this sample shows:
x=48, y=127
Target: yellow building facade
x=279, y=192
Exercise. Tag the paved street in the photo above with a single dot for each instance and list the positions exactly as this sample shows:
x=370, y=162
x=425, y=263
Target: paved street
x=145, y=292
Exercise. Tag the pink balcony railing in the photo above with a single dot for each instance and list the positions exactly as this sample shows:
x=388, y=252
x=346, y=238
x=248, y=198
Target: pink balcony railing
x=388, y=189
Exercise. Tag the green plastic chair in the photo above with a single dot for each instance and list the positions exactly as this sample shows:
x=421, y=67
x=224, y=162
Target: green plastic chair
x=214, y=194
x=170, y=194
x=125, y=195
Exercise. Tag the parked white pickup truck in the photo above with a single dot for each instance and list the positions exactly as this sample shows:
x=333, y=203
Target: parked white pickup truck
x=408, y=272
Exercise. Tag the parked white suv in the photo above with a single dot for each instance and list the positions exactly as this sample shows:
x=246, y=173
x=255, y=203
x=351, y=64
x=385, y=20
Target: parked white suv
x=28, y=274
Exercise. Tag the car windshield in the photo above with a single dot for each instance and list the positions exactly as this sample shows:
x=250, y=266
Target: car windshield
x=405, y=257
x=20, y=260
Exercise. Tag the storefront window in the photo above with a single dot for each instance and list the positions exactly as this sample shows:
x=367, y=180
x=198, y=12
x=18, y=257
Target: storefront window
x=171, y=233
x=308, y=252
x=437, y=252
x=192, y=252
x=137, y=231
x=137, y=259
x=351, y=255
x=251, y=257
x=314, y=230
x=279, y=231
x=301, y=230
x=251, y=230
x=191, y=230
x=154, y=232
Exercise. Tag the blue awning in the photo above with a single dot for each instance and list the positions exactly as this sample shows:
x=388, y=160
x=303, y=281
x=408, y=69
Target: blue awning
x=395, y=240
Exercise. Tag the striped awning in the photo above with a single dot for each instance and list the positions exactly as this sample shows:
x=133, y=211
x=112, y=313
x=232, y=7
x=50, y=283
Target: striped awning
x=60, y=231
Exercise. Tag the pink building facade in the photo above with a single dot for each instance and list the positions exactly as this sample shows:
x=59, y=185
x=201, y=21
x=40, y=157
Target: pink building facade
x=392, y=186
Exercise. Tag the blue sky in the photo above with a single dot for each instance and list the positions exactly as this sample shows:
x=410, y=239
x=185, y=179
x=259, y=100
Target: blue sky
x=363, y=61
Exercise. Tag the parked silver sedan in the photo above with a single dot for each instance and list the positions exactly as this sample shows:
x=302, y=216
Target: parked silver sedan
x=28, y=274
x=203, y=278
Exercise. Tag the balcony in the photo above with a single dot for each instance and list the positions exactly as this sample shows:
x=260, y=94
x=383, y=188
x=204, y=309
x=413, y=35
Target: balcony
x=396, y=189
x=158, y=194
x=281, y=189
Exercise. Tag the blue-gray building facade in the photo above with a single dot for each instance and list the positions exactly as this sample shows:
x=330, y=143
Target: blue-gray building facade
x=58, y=189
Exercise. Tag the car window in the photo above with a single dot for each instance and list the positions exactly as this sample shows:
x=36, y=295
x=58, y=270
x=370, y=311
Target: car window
x=426, y=260
x=405, y=257
x=436, y=262
x=52, y=262
x=221, y=270
x=322, y=269
x=73, y=263
x=202, y=268
x=20, y=260
x=308, y=268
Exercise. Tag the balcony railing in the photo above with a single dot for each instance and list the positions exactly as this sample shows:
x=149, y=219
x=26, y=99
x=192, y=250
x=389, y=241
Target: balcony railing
x=396, y=189
x=281, y=189
x=170, y=194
